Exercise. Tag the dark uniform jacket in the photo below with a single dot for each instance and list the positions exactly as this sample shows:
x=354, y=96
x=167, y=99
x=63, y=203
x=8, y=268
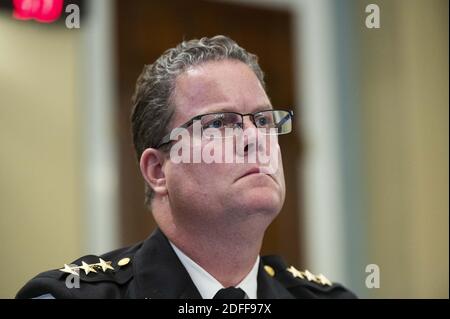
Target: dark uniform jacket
x=151, y=269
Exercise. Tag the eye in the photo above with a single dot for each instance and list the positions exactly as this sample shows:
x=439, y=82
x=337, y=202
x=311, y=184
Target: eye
x=262, y=121
x=217, y=123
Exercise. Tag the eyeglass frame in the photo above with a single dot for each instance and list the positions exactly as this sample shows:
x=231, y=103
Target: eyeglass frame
x=166, y=139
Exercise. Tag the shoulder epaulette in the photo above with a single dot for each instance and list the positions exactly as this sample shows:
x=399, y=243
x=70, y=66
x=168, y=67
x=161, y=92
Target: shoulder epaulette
x=303, y=284
x=94, y=269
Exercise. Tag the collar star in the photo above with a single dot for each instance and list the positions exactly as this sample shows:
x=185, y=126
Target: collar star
x=295, y=272
x=105, y=265
x=309, y=275
x=87, y=268
x=323, y=280
x=69, y=270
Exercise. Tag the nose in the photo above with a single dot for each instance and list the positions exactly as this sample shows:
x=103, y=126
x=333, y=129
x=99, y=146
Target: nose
x=249, y=137
x=248, y=121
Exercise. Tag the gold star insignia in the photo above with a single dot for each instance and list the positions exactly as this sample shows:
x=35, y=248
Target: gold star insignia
x=309, y=275
x=105, y=265
x=87, y=268
x=295, y=272
x=323, y=280
x=69, y=270
x=319, y=279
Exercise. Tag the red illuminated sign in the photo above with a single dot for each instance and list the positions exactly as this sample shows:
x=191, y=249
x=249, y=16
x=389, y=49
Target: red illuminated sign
x=40, y=10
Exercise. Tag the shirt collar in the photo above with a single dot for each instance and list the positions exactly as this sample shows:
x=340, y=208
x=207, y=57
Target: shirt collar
x=207, y=285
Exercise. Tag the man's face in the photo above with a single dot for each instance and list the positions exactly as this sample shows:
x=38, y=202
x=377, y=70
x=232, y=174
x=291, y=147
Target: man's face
x=221, y=192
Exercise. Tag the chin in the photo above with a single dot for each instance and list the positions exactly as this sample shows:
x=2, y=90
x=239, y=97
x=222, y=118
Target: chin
x=261, y=201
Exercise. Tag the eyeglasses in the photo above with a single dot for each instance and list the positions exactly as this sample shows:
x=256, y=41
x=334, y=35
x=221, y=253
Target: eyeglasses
x=276, y=122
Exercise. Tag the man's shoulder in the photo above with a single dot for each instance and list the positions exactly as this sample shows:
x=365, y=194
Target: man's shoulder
x=90, y=276
x=151, y=269
x=303, y=283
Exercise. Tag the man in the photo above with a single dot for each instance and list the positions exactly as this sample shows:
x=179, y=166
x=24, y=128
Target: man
x=211, y=214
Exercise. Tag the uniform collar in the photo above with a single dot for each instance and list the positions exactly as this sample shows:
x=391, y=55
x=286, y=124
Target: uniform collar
x=207, y=285
x=158, y=273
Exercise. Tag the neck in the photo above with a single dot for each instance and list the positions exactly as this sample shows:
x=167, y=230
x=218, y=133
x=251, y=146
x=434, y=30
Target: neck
x=227, y=252
x=227, y=260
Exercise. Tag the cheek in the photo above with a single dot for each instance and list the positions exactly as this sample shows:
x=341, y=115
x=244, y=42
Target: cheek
x=177, y=180
x=280, y=175
x=198, y=178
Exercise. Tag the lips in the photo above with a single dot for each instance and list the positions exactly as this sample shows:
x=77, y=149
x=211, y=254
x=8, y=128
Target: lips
x=254, y=170
x=251, y=171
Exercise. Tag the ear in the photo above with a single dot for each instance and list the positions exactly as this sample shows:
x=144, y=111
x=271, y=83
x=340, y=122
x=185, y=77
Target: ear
x=151, y=163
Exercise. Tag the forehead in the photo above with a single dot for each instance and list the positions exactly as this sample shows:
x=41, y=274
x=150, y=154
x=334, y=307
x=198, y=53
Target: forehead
x=214, y=86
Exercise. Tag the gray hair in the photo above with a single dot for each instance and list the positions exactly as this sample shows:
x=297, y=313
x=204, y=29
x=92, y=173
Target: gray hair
x=152, y=105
